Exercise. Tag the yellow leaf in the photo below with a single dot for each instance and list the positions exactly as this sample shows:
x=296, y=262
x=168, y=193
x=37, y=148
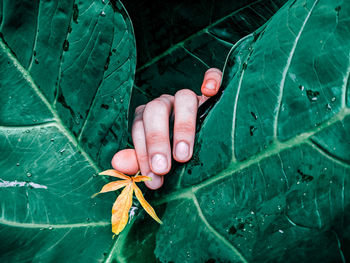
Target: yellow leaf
x=141, y=178
x=120, y=210
x=121, y=206
x=112, y=186
x=149, y=209
x=115, y=173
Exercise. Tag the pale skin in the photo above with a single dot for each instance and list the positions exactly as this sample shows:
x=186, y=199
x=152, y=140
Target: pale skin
x=150, y=132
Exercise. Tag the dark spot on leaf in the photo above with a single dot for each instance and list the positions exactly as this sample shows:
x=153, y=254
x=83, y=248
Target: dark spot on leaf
x=337, y=9
x=244, y=66
x=252, y=129
x=254, y=116
x=115, y=5
x=105, y=106
x=108, y=59
x=63, y=102
x=90, y=145
x=304, y=177
x=75, y=13
x=312, y=95
x=34, y=53
x=65, y=45
x=211, y=260
x=189, y=171
x=69, y=29
x=301, y=87
x=114, y=50
x=36, y=61
x=232, y=230
x=231, y=62
x=240, y=226
x=84, y=140
x=81, y=116
x=256, y=36
x=292, y=3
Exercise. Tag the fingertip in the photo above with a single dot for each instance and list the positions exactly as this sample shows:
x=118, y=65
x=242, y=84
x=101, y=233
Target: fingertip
x=125, y=161
x=211, y=82
x=182, y=151
x=156, y=182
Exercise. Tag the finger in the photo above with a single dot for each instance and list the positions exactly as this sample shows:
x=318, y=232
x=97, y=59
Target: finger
x=185, y=109
x=139, y=140
x=156, y=124
x=211, y=82
x=125, y=161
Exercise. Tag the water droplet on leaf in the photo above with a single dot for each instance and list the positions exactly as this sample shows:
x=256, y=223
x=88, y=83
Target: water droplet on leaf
x=312, y=95
x=254, y=115
x=252, y=129
x=75, y=13
x=65, y=45
x=103, y=13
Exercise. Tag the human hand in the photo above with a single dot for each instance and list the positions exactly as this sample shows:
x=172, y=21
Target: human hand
x=150, y=132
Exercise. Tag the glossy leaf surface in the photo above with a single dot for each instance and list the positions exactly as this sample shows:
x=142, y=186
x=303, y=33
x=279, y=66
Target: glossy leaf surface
x=66, y=72
x=269, y=181
x=210, y=32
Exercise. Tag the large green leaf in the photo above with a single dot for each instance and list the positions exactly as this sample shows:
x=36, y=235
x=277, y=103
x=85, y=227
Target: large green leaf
x=269, y=181
x=204, y=44
x=66, y=72
x=163, y=24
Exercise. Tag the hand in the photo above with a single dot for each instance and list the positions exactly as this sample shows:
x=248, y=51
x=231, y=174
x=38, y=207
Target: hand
x=150, y=132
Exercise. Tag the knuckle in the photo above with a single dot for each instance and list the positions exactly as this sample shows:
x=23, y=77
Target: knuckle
x=139, y=109
x=166, y=96
x=214, y=70
x=156, y=138
x=185, y=92
x=156, y=105
x=184, y=127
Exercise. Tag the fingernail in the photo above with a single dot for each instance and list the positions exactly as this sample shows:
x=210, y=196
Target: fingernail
x=156, y=182
x=211, y=84
x=182, y=150
x=159, y=163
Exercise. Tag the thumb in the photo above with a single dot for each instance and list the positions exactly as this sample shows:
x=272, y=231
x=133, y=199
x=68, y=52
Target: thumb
x=125, y=161
x=211, y=84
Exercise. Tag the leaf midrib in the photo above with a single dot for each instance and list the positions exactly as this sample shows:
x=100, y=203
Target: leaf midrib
x=43, y=226
x=42, y=97
x=274, y=149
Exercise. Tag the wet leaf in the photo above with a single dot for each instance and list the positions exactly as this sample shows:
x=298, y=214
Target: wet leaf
x=66, y=75
x=277, y=192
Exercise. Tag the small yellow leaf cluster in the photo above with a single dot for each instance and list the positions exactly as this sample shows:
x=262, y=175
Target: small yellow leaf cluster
x=121, y=206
